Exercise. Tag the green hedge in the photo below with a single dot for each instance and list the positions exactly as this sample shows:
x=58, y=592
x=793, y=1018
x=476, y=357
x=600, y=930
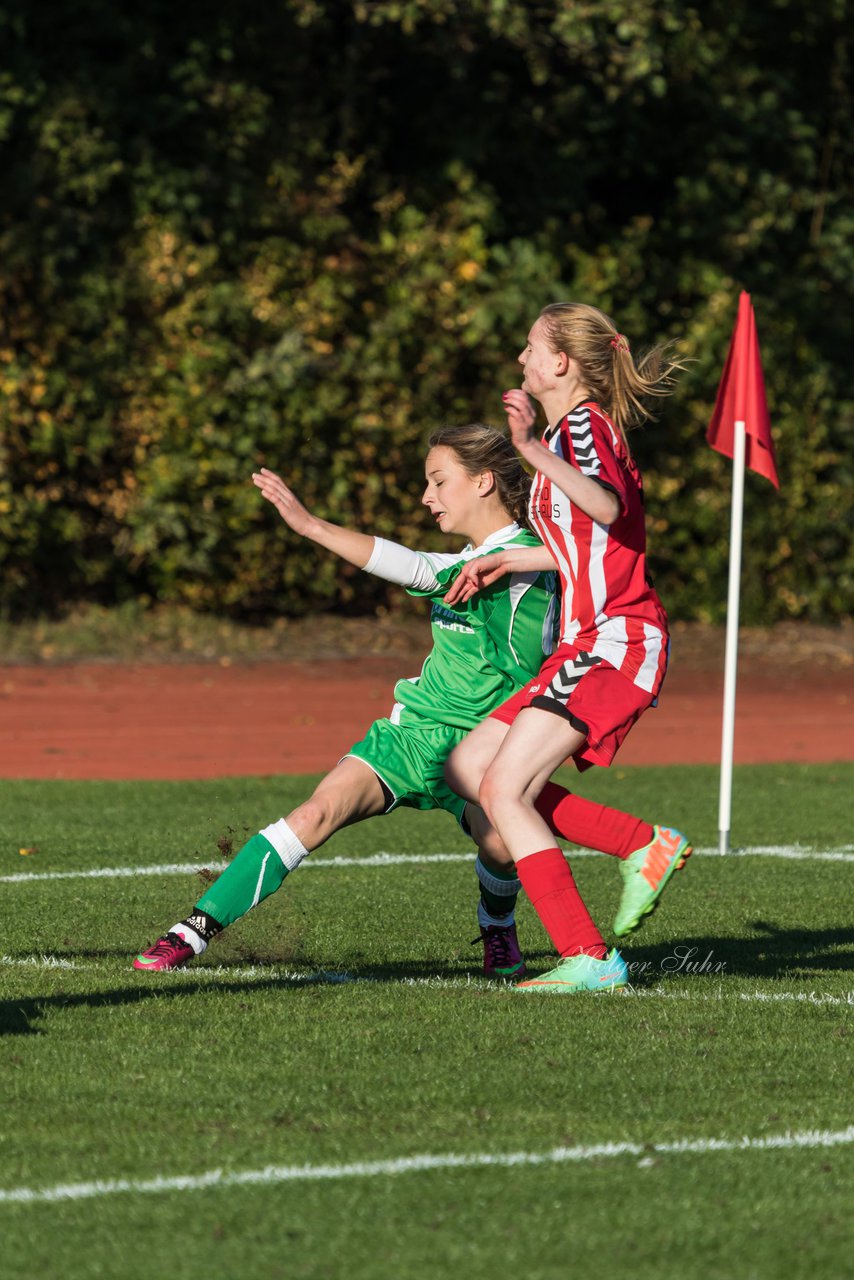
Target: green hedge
x=302, y=234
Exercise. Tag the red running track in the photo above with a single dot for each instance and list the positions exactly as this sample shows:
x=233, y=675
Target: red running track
x=207, y=721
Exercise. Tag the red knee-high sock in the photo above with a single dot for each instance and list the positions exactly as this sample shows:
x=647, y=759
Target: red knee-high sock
x=592, y=825
x=548, y=882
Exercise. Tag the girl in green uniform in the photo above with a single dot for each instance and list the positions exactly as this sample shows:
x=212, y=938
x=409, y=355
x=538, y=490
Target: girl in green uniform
x=483, y=651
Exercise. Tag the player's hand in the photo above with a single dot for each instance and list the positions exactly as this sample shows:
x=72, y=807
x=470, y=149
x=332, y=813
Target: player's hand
x=474, y=576
x=288, y=505
x=521, y=417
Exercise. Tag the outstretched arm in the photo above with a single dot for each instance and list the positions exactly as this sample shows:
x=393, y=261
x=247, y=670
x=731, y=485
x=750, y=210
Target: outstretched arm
x=347, y=543
x=598, y=503
x=484, y=570
x=384, y=559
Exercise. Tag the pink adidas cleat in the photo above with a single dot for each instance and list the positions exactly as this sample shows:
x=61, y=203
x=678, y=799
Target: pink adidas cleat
x=168, y=952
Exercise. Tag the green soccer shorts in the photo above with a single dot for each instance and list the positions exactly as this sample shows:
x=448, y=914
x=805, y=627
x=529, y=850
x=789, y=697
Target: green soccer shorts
x=408, y=757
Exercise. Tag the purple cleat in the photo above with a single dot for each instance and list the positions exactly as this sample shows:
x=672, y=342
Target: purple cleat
x=501, y=955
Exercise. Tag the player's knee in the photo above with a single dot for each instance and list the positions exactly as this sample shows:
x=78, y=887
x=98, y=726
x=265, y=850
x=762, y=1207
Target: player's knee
x=316, y=817
x=498, y=794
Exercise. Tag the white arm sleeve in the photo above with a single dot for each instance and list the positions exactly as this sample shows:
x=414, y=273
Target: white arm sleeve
x=398, y=564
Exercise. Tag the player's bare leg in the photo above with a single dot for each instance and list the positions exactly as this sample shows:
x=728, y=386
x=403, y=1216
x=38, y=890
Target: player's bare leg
x=351, y=792
x=523, y=763
x=468, y=762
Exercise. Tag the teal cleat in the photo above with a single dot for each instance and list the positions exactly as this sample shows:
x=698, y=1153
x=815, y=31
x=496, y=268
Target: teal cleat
x=582, y=973
x=646, y=874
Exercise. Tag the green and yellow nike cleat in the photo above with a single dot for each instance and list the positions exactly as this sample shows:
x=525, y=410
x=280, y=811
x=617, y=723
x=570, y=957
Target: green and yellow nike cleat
x=646, y=874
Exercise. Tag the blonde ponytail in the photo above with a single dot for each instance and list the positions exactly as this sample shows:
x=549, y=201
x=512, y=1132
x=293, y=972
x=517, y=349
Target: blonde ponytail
x=606, y=365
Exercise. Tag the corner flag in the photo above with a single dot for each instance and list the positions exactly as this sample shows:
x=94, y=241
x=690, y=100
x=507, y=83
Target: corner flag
x=740, y=429
x=741, y=398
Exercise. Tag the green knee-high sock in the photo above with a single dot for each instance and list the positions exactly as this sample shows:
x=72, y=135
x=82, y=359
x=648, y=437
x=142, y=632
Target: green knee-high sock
x=255, y=873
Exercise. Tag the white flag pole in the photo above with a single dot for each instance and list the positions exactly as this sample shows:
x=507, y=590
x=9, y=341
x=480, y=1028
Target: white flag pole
x=731, y=659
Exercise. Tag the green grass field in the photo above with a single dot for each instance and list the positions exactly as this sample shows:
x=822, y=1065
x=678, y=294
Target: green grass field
x=261, y=1113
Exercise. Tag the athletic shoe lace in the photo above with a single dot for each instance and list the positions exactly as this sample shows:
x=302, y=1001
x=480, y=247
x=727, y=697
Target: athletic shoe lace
x=498, y=947
x=167, y=945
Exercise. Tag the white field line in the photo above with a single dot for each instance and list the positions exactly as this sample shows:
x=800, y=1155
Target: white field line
x=467, y=982
x=272, y=1174
x=748, y=997
x=845, y=853
x=114, y=873
x=40, y=962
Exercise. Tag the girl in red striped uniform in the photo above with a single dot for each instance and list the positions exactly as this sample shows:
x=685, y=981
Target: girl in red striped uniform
x=587, y=507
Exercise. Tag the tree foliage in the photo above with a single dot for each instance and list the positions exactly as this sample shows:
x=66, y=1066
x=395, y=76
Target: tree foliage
x=301, y=234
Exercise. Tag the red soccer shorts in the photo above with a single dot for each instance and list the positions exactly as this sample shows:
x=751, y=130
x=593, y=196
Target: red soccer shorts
x=596, y=699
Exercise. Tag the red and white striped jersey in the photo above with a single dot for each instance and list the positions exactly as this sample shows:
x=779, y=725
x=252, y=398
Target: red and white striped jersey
x=609, y=606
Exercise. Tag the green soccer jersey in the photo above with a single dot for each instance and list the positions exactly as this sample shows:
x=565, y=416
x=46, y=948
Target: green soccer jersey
x=488, y=647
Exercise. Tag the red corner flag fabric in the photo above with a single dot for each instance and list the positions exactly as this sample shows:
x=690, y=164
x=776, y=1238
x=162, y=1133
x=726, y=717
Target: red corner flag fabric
x=741, y=398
